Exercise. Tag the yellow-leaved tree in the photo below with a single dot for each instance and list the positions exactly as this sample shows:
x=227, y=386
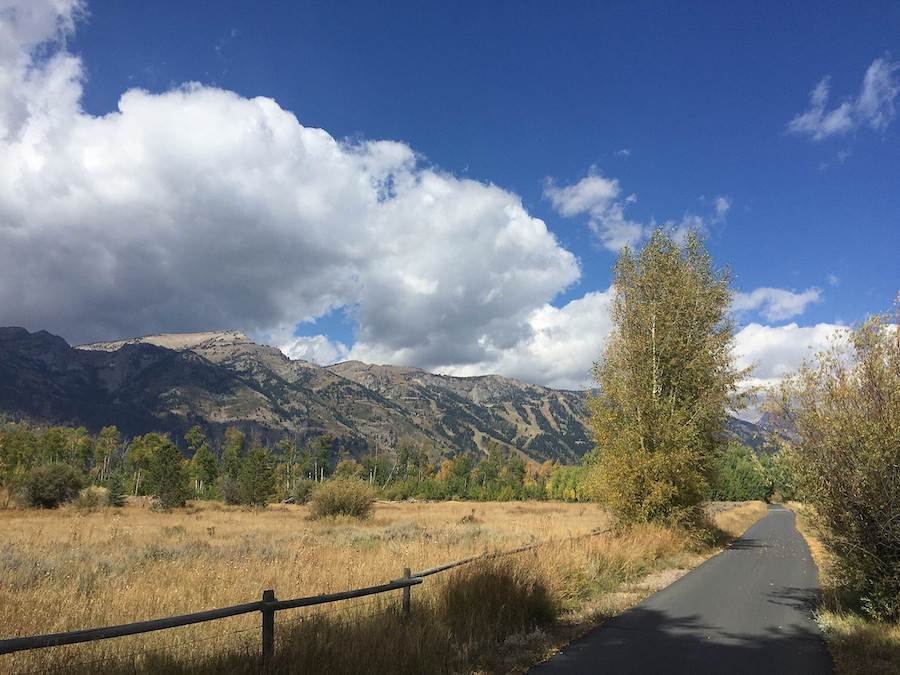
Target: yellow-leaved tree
x=665, y=382
x=842, y=412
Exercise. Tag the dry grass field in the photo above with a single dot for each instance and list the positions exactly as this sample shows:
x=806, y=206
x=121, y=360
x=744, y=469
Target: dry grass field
x=69, y=569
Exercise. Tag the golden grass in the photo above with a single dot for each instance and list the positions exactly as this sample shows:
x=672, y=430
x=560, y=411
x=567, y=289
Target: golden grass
x=67, y=569
x=857, y=644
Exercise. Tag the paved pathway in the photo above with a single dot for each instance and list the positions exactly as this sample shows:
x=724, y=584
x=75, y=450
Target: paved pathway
x=747, y=610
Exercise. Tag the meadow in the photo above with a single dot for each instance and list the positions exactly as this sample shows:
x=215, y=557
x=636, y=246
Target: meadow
x=69, y=569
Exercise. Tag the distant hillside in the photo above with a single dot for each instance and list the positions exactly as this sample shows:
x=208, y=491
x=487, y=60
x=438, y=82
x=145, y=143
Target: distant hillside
x=541, y=423
x=171, y=382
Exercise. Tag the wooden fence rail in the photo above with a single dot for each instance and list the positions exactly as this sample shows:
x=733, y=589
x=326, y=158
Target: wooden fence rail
x=267, y=607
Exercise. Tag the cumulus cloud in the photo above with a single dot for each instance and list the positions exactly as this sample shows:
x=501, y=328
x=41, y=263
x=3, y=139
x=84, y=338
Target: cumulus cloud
x=592, y=194
x=562, y=345
x=315, y=348
x=197, y=209
x=775, y=351
x=565, y=342
x=873, y=107
x=602, y=200
x=776, y=304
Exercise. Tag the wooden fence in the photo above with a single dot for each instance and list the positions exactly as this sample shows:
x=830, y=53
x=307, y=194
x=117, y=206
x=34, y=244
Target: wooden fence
x=267, y=606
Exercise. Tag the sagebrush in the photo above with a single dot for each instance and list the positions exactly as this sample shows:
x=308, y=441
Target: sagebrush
x=342, y=497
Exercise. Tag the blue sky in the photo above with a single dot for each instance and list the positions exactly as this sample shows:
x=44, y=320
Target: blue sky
x=671, y=109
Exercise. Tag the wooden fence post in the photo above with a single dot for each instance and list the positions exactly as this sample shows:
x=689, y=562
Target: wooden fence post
x=268, y=627
x=406, y=592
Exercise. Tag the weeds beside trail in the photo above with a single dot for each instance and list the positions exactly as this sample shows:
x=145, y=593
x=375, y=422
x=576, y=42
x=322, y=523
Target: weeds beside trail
x=857, y=644
x=67, y=569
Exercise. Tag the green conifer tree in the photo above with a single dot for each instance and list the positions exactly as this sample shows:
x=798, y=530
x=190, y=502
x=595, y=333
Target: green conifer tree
x=256, y=479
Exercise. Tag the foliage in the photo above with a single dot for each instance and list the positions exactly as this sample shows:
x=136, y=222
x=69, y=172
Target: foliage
x=779, y=468
x=232, y=451
x=342, y=497
x=256, y=481
x=665, y=381
x=92, y=498
x=167, y=474
x=303, y=489
x=565, y=483
x=845, y=410
x=204, y=468
x=739, y=476
x=52, y=484
x=348, y=468
x=123, y=467
x=106, y=450
x=115, y=490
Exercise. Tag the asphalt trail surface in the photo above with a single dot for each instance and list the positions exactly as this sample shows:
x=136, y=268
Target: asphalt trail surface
x=746, y=610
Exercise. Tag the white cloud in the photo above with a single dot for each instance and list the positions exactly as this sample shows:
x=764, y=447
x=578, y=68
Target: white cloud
x=881, y=85
x=562, y=345
x=316, y=348
x=624, y=152
x=776, y=351
x=601, y=199
x=566, y=341
x=834, y=280
x=199, y=209
x=598, y=197
x=721, y=206
x=776, y=304
x=874, y=107
x=592, y=194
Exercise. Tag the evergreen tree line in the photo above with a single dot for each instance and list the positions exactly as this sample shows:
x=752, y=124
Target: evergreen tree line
x=46, y=466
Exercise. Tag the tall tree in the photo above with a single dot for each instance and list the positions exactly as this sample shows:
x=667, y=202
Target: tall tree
x=665, y=382
x=257, y=478
x=232, y=451
x=139, y=456
x=167, y=474
x=204, y=468
x=105, y=450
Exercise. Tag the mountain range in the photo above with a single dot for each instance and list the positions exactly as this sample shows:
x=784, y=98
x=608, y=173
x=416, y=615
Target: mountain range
x=171, y=382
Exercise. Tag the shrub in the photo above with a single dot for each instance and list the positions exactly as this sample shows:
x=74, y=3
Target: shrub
x=845, y=412
x=92, y=498
x=342, y=497
x=50, y=485
x=478, y=599
x=303, y=490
